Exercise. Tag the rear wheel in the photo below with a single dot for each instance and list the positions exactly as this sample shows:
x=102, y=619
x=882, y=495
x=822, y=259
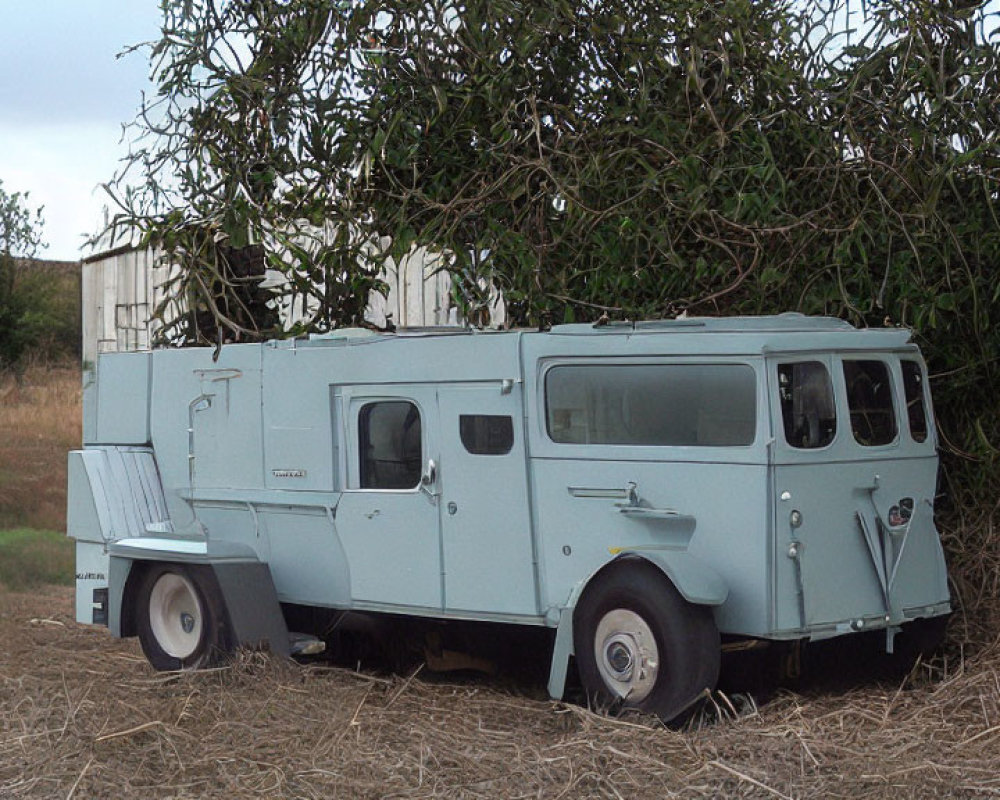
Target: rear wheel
x=640, y=645
x=181, y=618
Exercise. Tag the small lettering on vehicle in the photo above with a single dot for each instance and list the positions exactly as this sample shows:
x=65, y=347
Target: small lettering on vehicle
x=288, y=473
x=91, y=576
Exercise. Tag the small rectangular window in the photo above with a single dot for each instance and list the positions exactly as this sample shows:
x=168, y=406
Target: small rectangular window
x=486, y=434
x=913, y=387
x=869, y=399
x=391, y=454
x=695, y=405
x=807, y=407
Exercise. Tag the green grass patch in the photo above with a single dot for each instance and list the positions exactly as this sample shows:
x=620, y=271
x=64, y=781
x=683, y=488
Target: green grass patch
x=31, y=558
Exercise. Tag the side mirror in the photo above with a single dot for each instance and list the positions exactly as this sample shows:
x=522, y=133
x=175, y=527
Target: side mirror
x=429, y=478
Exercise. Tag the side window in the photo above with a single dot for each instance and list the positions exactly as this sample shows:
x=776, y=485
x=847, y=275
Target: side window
x=913, y=387
x=486, y=434
x=390, y=450
x=869, y=398
x=808, y=410
x=676, y=405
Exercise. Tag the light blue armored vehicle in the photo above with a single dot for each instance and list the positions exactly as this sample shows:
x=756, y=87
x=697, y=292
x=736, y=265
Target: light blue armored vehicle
x=638, y=489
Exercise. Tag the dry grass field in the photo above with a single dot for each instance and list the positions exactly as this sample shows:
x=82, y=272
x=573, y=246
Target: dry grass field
x=40, y=422
x=83, y=716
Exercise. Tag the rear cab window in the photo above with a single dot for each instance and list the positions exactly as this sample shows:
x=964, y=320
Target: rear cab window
x=870, y=401
x=915, y=397
x=808, y=408
x=852, y=401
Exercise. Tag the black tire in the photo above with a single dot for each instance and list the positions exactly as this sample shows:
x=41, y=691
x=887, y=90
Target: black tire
x=181, y=617
x=618, y=667
x=918, y=639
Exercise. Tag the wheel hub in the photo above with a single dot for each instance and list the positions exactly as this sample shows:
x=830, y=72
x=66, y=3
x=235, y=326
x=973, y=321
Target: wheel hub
x=175, y=615
x=620, y=658
x=627, y=655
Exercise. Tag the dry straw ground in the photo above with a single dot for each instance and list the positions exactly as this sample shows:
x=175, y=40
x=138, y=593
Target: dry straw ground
x=83, y=716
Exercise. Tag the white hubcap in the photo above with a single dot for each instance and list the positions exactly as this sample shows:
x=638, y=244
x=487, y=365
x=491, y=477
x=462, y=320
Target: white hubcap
x=175, y=615
x=626, y=654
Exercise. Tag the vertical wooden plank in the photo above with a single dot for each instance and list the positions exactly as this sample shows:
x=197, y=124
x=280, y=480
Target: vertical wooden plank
x=109, y=339
x=498, y=308
x=432, y=294
x=392, y=302
x=377, y=306
x=413, y=279
x=142, y=274
x=124, y=300
x=92, y=301
x=158, y=274
x=444, y=299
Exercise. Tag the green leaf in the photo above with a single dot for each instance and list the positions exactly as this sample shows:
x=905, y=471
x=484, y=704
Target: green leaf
x=402, y=242
x=946, y=301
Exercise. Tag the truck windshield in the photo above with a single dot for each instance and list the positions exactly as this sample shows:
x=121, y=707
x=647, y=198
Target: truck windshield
x=699, y=405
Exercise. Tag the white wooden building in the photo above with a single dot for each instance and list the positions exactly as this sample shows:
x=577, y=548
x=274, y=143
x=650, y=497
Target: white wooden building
x=122, y=286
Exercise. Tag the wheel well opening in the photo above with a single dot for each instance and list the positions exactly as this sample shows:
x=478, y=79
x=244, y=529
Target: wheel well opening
x=623, y=563
x=128, y=605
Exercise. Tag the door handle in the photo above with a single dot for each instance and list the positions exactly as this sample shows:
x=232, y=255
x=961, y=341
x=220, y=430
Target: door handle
x=428, y=479
x=631, y=494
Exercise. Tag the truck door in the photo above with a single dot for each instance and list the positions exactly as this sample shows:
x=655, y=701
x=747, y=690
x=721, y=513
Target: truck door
x=854, y=477
x=485, y=516
x=387, y=517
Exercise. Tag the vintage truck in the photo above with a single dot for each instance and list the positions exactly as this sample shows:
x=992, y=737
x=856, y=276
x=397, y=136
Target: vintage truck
x=637, y=489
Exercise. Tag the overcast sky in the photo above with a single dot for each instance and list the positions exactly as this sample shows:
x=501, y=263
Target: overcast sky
x=63, y=99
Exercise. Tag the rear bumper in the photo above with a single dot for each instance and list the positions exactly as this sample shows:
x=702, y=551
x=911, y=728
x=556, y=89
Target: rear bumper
x=871, y=622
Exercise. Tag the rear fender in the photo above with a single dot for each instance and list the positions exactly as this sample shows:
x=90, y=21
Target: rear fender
x=244, y=581
x=697, y=583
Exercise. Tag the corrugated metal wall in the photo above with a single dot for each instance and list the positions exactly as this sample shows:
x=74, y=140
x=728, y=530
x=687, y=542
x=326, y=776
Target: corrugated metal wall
x=121, y=289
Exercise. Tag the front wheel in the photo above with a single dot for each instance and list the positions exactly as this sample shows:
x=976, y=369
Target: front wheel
x=181, y=618
x=640, y=645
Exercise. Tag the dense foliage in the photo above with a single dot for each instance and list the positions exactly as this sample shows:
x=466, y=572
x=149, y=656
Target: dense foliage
x=632, y=157
x=20, y=238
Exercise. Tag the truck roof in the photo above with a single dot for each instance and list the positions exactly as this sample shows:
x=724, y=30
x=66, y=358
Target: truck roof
x=788, y=322
x=788, y=332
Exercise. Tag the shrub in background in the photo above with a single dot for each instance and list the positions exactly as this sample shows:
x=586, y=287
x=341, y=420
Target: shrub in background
x=20, y=238
x=39, y=300
x=634, y=157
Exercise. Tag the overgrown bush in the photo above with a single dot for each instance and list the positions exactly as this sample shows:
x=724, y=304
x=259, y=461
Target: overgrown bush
x=631, y=157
